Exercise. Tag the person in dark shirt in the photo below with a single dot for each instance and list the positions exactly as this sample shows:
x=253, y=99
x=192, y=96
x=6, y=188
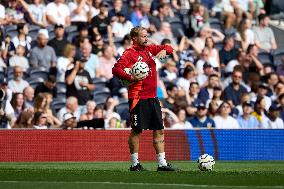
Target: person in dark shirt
x=58, y=42
x=234, y=91
x=228, y=52
x=79, y=83
x=49, y=86
x=201, y=120
x=101, y=22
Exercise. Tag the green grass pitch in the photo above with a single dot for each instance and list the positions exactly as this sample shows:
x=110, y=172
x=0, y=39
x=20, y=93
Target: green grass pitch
x=115, y=175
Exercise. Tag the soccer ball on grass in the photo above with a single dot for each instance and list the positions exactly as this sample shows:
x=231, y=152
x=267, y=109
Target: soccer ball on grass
x=206, y=162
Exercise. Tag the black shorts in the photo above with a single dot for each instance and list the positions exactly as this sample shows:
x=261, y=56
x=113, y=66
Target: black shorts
x=146, y=115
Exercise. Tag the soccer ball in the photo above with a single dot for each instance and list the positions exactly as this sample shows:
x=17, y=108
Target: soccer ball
x=206, y=162
x=125, y=82
x=140, y=70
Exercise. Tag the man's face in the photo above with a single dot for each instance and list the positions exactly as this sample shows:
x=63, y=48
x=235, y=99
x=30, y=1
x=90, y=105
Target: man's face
x=29, y=94
x=50, y=85
x=142, y=38
x=201, y=111
x=42, y=41
x=70, y=123
x=59, y=32
x=18, y=74
x=194, y=89
x=213, y=81
x=237, y=78
x=265, y=21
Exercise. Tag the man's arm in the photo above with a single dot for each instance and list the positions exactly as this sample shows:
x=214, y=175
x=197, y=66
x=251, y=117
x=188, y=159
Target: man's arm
x=122, y=63
x=70, y=78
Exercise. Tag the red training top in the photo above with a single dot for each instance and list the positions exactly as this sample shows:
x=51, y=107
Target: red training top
x=146, y=88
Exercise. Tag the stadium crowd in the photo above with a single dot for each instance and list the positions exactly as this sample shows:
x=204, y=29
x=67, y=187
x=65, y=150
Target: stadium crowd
x=56, y=60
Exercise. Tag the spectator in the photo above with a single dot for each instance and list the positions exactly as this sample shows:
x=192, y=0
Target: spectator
x=109, y=107
x=280, y=69
x=89, y=115
x=24, y=120
x=182, y=122
x=71, y=107
x=246, y=97
x=169, y=102
x=79, y=83
x=246, y=120
x=57, y=12
x=213, y=108
x=100, y=24
x=97, y=45
x=40, y=121
x=169, y=70
x=83, y=30
x=255, y=64
x=192, y=97
x=188, y=76
x=29, y=97
x=213, y=56
x=58, y=43
x=18, y=104
x=125, y=44
x=65, y=62
x=22, y=38
x=7, y=118
x=107, y=62
x=259, y=109
x=17, y=84
x=264, y=34
x=229, y=24
x=19, y=59
x=70, y=122
x=217, y=94
x=3, y=20
x=42, y=55
x=121, y=26
x=164, y=14
x=206, y=93
x=272, y=121
x=245, y=34
x=140, y=16
x=14, y=13
x=48, y=86
x=204, y=58
x=272, y=80
x=36, y=12
x=81, y=11
x=223, y=120
x=7, y=47
x=114, y=122
x=92, y=64
x=281, y=102
x=262, y=92
x=233, y=92
x=205, y=31
x=201, y=120
x=197, y=19
x=118, y=7
x=165, y=32
x=202, y=79
x=42, y=104
x=228, y=51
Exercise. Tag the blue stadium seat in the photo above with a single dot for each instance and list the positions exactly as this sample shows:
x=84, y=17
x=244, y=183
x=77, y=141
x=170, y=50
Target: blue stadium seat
x=264, y=57
x=61, y=92
x=34, y=82
x=177, y=28
x=71, y=35
x=121, y=107
x=38, y=74
x=100, y=82
x=277, y=56
x=58, y=103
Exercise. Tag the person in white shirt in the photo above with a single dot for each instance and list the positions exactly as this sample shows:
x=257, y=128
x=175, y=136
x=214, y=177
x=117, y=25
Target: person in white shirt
x=81, y=11
x=122, y=26
x=245, y=34
x=272, y=121
x=19, y=59
x=182, y=122
x=224, y=120
x=71, y=107
x=57, y=12
x=17, y=84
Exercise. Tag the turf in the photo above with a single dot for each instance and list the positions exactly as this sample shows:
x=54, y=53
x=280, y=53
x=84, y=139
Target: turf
x=109, y=175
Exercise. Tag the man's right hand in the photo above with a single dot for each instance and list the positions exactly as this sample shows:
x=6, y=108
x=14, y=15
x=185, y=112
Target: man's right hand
x=77, y=66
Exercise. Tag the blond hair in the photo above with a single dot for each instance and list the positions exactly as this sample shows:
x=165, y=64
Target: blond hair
x=135, y=31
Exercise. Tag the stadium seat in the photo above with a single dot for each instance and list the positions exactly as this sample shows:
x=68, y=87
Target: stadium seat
x=99, y=82
x=71, y=35
x=10, y=30
x=277, y=56
x=61, y=85
x=34, y=82
x=72, y=28
x=58, y=103
x=121, y=107
x=101, y=96
x=177, y=28
x=117, y=41
x=61, y=91
x=102, y=89
x=38, y=74
x=264, y=57
x=219, y=45
x=216, y=24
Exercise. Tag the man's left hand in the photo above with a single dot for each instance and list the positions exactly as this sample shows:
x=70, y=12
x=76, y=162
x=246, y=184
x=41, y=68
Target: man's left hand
x=162, y=54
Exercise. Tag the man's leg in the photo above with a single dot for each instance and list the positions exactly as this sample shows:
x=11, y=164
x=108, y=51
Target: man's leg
x=159, y=145
x=133, y=142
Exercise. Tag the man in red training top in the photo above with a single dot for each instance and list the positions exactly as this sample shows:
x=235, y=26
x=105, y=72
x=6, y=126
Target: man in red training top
x=145, y=110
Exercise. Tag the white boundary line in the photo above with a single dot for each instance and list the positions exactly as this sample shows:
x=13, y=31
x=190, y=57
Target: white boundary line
x=142, y=184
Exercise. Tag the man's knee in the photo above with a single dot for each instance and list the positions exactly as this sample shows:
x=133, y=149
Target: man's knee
x=158, y=133
x=158, y=137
